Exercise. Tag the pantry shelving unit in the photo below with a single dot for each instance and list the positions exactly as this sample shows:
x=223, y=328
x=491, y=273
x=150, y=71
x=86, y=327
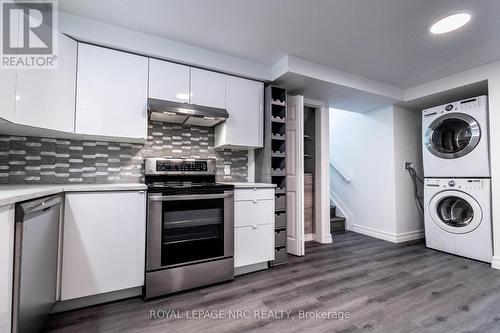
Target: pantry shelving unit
x=270, y=163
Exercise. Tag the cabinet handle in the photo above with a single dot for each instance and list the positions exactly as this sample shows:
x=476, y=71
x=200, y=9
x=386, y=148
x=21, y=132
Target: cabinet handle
x=254, y=226
x=254, y=201
x=141, y=192
x=255, y=188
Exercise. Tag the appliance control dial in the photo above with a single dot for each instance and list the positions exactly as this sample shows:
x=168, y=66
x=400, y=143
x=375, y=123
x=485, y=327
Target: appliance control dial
x=449, y=107
x=451, y=183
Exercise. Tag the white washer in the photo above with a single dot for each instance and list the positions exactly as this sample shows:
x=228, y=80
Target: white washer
x=458, y=217
x=455, y=139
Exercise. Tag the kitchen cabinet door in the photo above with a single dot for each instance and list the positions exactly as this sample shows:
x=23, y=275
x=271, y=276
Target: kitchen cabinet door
x=7, y=93
x=104, y=242
x=253, y=244
x=208, y=88
x=112, y=92
x=46, y=98
x=8, y=78
x=245, y=105
x=168, y=81
x=7, y=265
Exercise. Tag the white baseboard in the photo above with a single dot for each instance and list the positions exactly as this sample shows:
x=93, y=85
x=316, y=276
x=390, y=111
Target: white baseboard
x=82, y=302
x=495, y=262
x=327, y=239
x=409, y=236
x=388, y=236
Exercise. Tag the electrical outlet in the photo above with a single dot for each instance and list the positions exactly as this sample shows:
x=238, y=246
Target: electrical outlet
x=227, y=169
x=408, y=165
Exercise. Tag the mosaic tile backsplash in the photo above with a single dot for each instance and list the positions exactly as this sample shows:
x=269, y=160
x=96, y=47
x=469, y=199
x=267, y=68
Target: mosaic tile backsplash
x=33, y=160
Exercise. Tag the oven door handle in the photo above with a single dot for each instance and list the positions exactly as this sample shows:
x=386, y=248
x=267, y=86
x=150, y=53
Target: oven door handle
x=190, y=197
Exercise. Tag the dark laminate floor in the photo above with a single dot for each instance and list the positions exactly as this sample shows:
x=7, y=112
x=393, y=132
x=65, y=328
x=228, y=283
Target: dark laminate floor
x=386, y=288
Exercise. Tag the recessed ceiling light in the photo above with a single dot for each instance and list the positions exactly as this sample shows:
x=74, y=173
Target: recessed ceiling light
x=450, y=23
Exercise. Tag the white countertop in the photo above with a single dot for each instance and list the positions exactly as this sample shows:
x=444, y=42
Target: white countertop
x=250, y=185
x=10, y=194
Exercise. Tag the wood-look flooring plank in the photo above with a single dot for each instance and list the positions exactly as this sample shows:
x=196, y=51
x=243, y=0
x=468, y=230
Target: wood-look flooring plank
x=386, y=287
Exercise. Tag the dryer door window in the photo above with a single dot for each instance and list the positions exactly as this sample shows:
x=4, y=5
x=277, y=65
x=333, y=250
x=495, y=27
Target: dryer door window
x=455, y=212
x=452, y=135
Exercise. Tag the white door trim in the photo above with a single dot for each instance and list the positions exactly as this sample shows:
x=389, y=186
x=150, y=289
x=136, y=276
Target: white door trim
x=322, y=172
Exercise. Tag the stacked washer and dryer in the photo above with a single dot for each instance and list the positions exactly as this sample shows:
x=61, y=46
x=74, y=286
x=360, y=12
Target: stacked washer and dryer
x=457, y=191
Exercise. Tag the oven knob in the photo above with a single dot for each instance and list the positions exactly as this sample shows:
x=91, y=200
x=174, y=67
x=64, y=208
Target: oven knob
x=451, y=183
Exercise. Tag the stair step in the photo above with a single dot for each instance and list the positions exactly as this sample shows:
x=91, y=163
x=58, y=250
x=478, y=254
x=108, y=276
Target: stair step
x=337, y=224
x=333, y=211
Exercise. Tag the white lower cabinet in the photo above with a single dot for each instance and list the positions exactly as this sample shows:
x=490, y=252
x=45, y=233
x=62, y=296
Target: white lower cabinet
x=254, y=227
x=6, y=265
x=104, y=242
x=254, y=244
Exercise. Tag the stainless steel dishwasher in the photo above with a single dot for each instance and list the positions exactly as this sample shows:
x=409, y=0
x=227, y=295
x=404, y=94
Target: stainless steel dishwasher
x=35, y=262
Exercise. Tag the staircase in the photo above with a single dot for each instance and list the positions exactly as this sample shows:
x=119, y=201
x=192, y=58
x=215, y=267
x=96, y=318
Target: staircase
x=337, y=223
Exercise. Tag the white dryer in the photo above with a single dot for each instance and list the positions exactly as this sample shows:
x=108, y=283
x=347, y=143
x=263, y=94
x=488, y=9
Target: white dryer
x=458, y=217
x=455, y=139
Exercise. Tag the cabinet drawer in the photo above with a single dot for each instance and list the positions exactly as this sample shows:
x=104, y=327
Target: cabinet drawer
x=280, y=220
x=280, y=237
x=254, y=194
x=253, y=245
x=247, y=213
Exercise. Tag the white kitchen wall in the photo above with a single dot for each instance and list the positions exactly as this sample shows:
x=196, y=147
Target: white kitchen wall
x=361, y=144
x=371, y=148
x=407, y=147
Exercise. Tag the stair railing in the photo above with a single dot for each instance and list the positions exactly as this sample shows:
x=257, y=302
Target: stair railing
x=342, y=174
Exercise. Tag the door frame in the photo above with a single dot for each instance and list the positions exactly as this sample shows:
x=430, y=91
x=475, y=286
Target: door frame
x=322, y=172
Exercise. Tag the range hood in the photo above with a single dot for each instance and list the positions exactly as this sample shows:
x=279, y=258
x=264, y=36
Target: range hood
x=184, y=113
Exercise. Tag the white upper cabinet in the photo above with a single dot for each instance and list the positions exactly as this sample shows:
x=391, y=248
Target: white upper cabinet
x=46, y=97
x=168, y=81
x=8, y=80
x=7, y=93
x=112, y=91
x=208, y=88
x=245, y=105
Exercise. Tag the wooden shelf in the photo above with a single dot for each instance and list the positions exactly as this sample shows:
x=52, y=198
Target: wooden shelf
x=270, y=160
x=278, y=120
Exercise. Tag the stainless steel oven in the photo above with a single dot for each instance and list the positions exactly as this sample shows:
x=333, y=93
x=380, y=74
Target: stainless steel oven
x=190, y=226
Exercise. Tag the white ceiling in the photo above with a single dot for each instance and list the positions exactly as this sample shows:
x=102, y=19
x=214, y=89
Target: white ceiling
x=383, y=40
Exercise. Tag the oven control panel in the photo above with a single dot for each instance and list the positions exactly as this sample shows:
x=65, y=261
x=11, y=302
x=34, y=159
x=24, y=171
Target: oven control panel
x=181, y=166
x=165, y=166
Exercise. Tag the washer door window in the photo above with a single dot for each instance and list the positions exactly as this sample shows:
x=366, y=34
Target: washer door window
x=455, y=212
x=452, y=135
